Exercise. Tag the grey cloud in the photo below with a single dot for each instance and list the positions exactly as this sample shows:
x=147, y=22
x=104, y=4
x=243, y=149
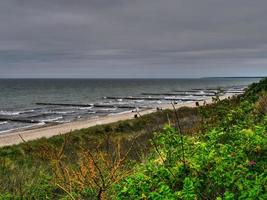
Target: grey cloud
x=138, y=38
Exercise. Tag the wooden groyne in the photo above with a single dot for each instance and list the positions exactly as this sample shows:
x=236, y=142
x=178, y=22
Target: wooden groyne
x=197, y=91
x=178, y=94
x=204, y=89
x=64, y=104
x=152, y=98
x=91, y=105
x=19, y=120
x=235, y=92
x=117, y=106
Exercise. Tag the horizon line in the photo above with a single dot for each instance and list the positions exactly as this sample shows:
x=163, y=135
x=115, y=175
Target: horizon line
x=208, y=77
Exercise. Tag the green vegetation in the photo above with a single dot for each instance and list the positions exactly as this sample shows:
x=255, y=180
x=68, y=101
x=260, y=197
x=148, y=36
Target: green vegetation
x=212, y=152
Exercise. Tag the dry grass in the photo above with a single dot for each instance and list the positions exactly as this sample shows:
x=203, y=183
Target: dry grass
x=260, y=107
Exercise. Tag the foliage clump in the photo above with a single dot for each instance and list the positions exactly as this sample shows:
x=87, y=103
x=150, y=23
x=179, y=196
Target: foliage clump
x=226, y=162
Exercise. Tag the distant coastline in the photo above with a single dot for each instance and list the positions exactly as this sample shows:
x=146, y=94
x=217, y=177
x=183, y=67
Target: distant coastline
x=225, y=77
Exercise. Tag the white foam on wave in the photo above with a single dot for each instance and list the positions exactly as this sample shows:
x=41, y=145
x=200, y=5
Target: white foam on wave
x=5, y=122
x=120, y=113
x=59, y=112
x=12, y=113
x=64, y=112
x=91, y=112
x=84, y=108
x=9, y=113
x=107, y=109
x=51, y=119
x=139, y=101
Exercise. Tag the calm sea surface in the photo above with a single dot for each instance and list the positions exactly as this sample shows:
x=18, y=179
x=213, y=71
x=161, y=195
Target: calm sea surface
x=18, y=97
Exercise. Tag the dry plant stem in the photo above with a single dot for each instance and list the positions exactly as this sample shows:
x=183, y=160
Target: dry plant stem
x=118, y=163
x=98, y=169
x=102, y=187
x=161, y=157
x=22, y=138
x=158, y=152
x=138, y=113
x=112, y=168
x=69, y=194
x=24, y=141
x=180, y=132
x=63, y=146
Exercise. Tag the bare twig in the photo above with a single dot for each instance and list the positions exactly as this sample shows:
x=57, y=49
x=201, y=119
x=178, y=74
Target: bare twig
x=65, y=191
x=161, y=157
x=97, y=167
x=180, y=132
x=138, y=112
x=63, y=146
x=22, y=138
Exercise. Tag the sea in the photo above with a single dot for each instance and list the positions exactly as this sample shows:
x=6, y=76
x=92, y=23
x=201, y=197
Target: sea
x=32, y=103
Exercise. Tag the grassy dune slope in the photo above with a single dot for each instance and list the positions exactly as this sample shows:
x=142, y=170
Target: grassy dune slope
x=212, y=152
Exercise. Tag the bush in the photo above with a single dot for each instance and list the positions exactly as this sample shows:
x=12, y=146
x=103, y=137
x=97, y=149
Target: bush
x=227, y=162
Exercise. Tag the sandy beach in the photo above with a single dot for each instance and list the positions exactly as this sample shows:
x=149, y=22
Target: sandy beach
x=13, y=138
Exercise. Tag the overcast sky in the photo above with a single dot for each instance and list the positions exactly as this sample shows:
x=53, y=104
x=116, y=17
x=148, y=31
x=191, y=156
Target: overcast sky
x=133, y=38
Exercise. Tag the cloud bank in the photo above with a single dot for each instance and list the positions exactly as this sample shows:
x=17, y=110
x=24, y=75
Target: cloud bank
x=132, y=38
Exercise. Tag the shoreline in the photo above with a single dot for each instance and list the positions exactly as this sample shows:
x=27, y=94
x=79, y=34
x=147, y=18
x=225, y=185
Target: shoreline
x=17, y=137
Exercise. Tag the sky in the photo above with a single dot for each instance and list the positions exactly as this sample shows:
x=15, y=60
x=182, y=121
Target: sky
x=132, y=38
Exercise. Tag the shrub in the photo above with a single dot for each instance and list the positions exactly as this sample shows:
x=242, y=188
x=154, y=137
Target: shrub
x=228, y=162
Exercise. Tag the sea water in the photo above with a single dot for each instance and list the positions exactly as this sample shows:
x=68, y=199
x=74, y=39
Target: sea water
x=19, y=97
